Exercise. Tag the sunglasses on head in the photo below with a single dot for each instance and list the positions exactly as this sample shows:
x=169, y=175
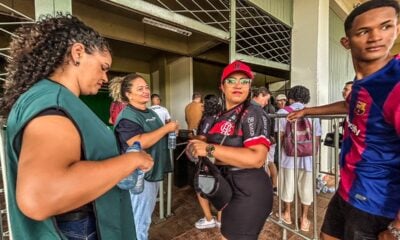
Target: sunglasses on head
x=242, y=81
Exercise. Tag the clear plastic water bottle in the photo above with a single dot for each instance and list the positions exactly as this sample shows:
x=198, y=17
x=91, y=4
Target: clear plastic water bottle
x=139, y=186
x=171, y=140
x=130, y=181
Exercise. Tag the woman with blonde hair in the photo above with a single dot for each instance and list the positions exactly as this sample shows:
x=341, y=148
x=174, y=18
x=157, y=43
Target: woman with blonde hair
x=115, y=93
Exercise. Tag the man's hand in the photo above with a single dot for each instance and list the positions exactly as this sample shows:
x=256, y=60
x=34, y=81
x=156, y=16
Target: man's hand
x=386, y=235
x=295, y=115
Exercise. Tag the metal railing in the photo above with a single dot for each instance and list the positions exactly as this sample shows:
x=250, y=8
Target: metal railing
x=333, y=120
x=5, y=228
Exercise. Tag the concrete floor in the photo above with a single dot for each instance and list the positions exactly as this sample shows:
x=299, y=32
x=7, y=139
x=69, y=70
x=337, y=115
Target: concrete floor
x=186, y=212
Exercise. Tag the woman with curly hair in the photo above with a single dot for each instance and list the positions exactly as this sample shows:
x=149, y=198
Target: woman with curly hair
x=115, y=93
x=63, y=163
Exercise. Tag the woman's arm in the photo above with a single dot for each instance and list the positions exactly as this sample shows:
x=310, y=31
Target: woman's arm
x=149, y=139
x=243, y=157
x=51, y=178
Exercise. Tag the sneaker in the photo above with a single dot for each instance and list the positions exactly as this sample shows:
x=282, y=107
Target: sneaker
x=204, y=224
x=217, y=224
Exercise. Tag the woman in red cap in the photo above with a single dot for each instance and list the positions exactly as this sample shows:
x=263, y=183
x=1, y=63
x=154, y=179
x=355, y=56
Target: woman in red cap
x=241, y=155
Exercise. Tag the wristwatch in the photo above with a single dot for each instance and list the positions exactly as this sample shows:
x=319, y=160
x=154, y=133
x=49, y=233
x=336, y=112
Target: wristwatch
x=210, y=150
x=394, y=231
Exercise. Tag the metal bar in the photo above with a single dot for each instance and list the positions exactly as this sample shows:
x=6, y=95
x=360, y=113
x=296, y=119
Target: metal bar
x=8, y=32
x=5, y=55
x=296, y=177
x=262, y=62
x=169, y=190
x=232, y=31
x=336, y=125
x=3, y=154
x=286, y=228
x=280, y=177
x=15, y=11
x=14, y=23
x=314, y=176
x=161, y=200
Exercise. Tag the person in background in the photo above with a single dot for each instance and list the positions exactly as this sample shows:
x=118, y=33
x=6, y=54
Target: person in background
x=212, y=107
x=367, y=203
x=138, y=123
x=161, y=111
x=281, y=101
x=194, y=112
x=347, y=89
x=241, y=155
x=117, y=104
x=63, y=163
x=298, y=96
x=261, y=97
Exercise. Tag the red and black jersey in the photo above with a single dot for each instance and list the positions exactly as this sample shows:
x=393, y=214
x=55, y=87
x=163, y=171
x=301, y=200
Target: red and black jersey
x=244, y=125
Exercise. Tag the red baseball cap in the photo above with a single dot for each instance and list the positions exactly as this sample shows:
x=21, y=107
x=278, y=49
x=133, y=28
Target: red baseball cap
x=236, y=66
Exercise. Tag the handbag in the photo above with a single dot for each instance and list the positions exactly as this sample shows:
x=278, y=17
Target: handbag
x=209, y=181
x=211, y=184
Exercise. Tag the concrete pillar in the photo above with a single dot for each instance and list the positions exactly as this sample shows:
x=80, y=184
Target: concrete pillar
x=310, y=48
x=52, y=7
x=180, y=88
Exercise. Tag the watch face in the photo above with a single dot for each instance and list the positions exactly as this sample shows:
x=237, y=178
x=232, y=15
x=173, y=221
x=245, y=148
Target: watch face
x=210, y=150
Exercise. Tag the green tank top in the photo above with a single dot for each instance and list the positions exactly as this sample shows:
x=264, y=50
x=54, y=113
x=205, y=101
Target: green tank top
x=149, y=121
x=113, y=209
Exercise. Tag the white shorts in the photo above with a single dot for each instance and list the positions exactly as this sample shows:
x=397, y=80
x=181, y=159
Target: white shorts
x=304, y=184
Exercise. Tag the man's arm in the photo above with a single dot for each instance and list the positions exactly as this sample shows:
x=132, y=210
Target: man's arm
x=333, y=108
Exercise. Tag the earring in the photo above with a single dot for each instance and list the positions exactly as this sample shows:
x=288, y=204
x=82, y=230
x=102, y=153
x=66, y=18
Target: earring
x=77, y=63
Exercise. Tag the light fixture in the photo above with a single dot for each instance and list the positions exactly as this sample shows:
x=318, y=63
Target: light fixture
x=166, y=26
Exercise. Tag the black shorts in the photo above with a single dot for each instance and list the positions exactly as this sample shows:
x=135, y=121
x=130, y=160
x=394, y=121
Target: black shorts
x=251, y=204
x=344, y=221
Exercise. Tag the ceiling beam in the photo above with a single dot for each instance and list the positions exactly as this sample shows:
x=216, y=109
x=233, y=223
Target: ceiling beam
x=152, y=10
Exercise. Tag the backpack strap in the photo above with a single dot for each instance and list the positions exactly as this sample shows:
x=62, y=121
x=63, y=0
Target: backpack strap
x=288, y=109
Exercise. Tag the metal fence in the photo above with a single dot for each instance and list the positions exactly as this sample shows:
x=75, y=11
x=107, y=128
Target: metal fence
x=4, y=219
x=330, y=122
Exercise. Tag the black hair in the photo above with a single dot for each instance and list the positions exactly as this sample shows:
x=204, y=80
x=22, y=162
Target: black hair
x=369, y=5
x=299, y=94
x=349, y=82
x=126, y=85
x=196, y=95
x=212, y=105
x=38, y=49
x=255, y=92
x=155, y=95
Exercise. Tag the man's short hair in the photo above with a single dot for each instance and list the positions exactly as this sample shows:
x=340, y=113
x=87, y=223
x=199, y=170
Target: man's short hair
x=154, y=95
x=196, y=95
x=299, y=94
x=255, y=92
x=349, y=82
x=369, y=5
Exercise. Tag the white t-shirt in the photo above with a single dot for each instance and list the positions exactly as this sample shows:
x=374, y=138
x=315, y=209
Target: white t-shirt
x=162, y=113
x=302, y=162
